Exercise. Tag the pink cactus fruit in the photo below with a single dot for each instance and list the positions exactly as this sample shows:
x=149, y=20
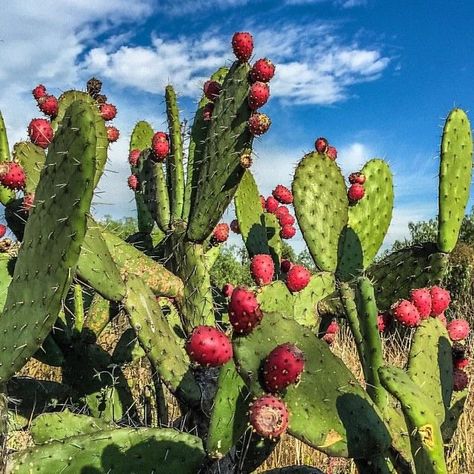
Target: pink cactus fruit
x=321, y=145
x=3, y=230
x=259, y=123
x=421, y=299
x=281, y=211
x=113, y=133
x=244, y=310
x=458, y=329
x=209, y=347
x=285, y=265
x=258, y=95
x=48, y=104
x=333, y=327
x=132, y=181
x=221, y=232
x=39, y=91
x=440, y=299
x=355, y=192
x=329, y=338
x=242, y=45
x=460, y=380
x=331, y=152
x=286, y=219
x=269, y=416
x=460, y=363
x=108, y=111
x=12, y=175
x=263, y=70
x=357, y=178
x=234, y=226
x=406, y=313
x=262, y=269
x=271, y=204
x=212, y=89
x=283, y=367
x=227, y=290
x=40, y=132
x=282, y=194
x=207, y=111
x=297, y=278
x=287, y=232
x=263, y=202
x=384, y=320
x=134, y=157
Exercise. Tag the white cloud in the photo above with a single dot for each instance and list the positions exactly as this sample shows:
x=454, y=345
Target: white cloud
x=186, y=7
x=341, y=3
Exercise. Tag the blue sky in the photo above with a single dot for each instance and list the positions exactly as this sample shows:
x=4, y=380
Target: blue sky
x=375, y=77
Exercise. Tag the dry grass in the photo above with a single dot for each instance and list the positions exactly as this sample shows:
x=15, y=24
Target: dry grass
x=289, y=451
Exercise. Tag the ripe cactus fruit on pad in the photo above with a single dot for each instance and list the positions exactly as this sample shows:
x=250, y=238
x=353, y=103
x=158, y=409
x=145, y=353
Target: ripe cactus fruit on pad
x=455, y=173
x=283, y=367
x=269, y=416
x=208, y=346
x=43, y=269
x=321, y=207
x=329, y=409
x=120, y=450
x=368, y=221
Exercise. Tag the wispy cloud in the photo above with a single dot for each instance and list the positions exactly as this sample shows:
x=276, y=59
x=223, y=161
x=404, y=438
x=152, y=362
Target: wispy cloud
x=338, y=3
x=185, y=7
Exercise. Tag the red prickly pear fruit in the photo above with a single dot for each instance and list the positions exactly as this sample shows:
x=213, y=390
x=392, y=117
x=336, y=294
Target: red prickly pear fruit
x=271, y=204
x=244, y=310
x=3, y=230
x=331, y=152
x=263, y=202
x=246, y=160
x=39, y=91
x=234, y=226
x=227, y=290
x=207, y=111
x=282, y=367
x=282, y=194
x=287, y=232
x=321, y=145
x=258, y=95
x=221, y=232
x=329, y=338
x=286, y=219
x=132, y=182
x=212, y=89
x=355, y=193
x=458, y=329
x=269, y=416
x=12, y=175
x=48, y=105
x=333, y=328
x=285, y=265
x=406, y=313
x=421, y=298
x=297, y=278
x=281, y=211
x=460, y=380
x=159, y=137
x=242, y=45
x=384, y=320
x=460, y=363
x=443, y=319
x=262, y=269
x=40, y=132
x=108, y=111
x=259, y=123
x=160, y=151
x=263, y=70
x=28, y=201
x=134, y=157
x=112, y=134
x=440, y=299
x=357, y=178
x=209, y=347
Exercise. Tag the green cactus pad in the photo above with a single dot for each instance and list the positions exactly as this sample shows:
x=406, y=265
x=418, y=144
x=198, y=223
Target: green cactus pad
x=424, y=428
x=197, y=144
x=250, y=216
x=321, y=207
x=448, y=428
x=454, y=177
x=430, y=365
x=174, y=162
x=128, y=348
x=52, y=240
x=159, y=341
x=32, y=158
x=227, y=138
x=412, y=267
x=7, y=264
x=57, y=426
x=328, y=408
x=229, y=412
x=96, y=267
x=6, y=195
x=102, y=142
x=141, y=138
x=97, y=317
x=275, y=242
x=50, y=353
x=129, y=260
x=369, y=220
x=121, y=451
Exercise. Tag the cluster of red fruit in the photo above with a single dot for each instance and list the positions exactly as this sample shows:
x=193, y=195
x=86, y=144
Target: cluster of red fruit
x=160, y=149
x=40, y=130
x=322, y=146
x=260, y=75
x=356, y=189
x=433, y=302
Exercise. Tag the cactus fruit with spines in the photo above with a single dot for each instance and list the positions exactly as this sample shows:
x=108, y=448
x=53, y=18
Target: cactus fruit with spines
x=73, y=277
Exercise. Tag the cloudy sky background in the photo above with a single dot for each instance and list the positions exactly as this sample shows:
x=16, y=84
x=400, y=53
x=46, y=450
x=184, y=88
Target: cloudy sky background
x=375, y=77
